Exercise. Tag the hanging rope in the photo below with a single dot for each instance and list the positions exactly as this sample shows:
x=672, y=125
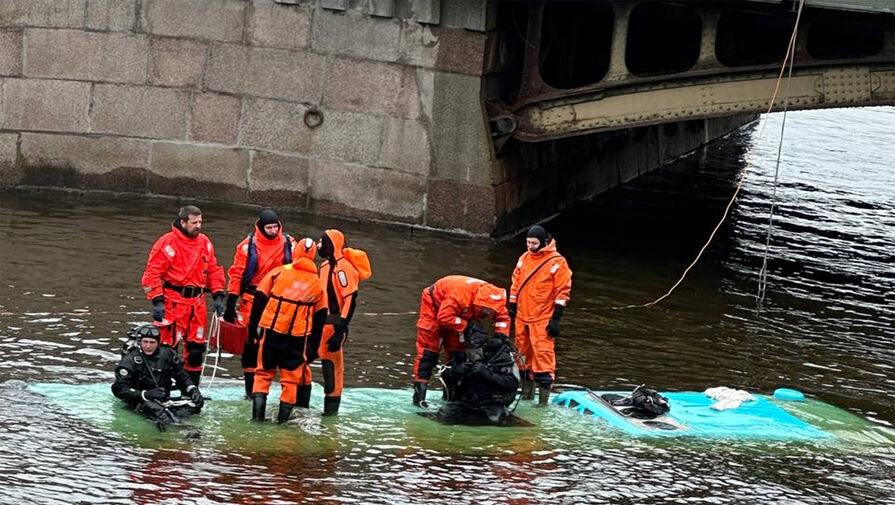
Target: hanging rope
x=790, y=52
x=763, y=273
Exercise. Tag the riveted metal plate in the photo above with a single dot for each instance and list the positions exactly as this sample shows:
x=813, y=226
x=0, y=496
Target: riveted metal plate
x=845, y=85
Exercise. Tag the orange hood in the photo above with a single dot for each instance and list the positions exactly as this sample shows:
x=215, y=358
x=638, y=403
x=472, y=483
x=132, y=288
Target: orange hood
x=491, y=297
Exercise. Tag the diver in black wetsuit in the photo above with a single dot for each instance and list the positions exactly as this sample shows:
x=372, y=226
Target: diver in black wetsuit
x=481, y=382
x=146, y=373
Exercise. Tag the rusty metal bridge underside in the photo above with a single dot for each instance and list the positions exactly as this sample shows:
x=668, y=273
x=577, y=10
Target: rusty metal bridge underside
x=590, y=67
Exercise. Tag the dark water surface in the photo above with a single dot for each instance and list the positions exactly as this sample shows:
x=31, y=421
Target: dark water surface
x=70, y=268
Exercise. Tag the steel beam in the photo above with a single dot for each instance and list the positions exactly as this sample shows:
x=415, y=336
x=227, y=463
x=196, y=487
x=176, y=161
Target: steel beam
x=705, y=97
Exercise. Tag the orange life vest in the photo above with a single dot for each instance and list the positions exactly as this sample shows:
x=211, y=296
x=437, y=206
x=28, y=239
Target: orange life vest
x=294, y=296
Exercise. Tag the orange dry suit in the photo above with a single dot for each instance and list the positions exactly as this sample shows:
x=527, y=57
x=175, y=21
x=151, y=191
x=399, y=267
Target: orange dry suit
x=255, y=256
x=289, y=310
x=542, y=283
x=446, y=308
x=340, y=274
x=178, y=271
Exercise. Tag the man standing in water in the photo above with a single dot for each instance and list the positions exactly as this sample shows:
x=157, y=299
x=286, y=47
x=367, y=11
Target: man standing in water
x=181, y=267
x=266, y=248
x=542, y=283
x=289, y=311
x=342, y=270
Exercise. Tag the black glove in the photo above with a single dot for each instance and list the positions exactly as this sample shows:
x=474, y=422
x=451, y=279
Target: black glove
x=196, y=397
x=463, y=369
x=334, y=343
x=230, y=312
x=553, y=325
x=158, y=308
x=157, y=394
x=482, y=371
x=218, y=303
x=254, y=337
x=511, y=308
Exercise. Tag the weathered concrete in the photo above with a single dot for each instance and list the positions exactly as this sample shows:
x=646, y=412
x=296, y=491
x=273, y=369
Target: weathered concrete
x=10, y=171
x=274, y=125
x=405, y=146
x=93, y=155
x=176, y=62
x=48, y=105
x=215, y=118
x=86, y=56
x=84, y=162
x=111, y=15
x=386, y=194
x=267, y=73
x=193, y=170
x=457, y=206
x=10, y=52
x=348, y=136
x=459, y=138
x=353, y=34
x=140, y=111
x=372, y=87
x=51, y=13
x=221, y=20
x=279, y=180
x=280, y=26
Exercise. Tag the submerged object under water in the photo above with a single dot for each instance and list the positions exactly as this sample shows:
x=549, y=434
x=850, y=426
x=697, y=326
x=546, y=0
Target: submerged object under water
x=784, y=416
x=380, y=419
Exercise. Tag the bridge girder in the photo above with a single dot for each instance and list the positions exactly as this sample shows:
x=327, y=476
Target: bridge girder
x=722, y=75
x=717, y=96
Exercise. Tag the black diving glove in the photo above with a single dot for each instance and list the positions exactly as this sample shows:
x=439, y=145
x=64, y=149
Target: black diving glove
x=230, y=311
x=196, y=397
x=334, y=343
x=158, y=308
x=157, y=395
x=553, y=325
x=463, y=369
x=218, y=303
x=482, y=370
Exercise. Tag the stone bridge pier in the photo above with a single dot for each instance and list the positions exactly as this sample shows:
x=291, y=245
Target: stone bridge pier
x=425, y=112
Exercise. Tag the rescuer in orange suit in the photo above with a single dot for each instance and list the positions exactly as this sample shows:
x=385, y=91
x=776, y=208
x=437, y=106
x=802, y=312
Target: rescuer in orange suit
x=288, y=311
x=259, y=253
x=446, y=309
x=181, y=267
x=342, y=270
x=542, y=283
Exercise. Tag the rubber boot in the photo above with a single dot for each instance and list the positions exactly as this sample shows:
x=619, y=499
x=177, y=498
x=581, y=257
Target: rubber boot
x=419, y=394
x=543, y=396
x=259, y=405
x=528, y=387
x=303, y=396
x=195, y=376
x=331, y=405
x=285, y=412
x=249, y=378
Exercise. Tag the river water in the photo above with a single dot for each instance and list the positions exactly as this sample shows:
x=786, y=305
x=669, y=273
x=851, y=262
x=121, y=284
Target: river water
x=70, y=267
